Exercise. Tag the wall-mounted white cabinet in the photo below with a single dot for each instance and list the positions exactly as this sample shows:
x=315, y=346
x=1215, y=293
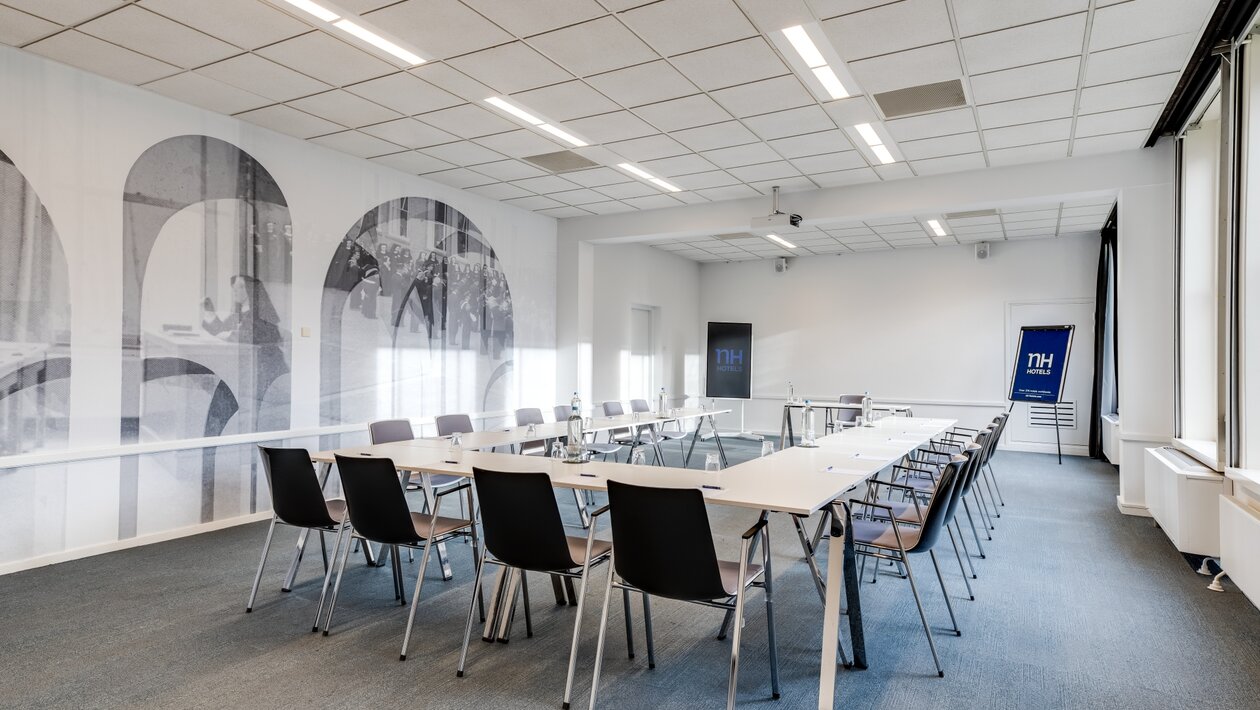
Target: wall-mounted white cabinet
x=1181, y=495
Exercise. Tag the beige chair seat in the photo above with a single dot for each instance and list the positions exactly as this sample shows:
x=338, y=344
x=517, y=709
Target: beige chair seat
x=445, y=525
x=336, y=509
x=730, y=575
x=577, y=549
x=881, y=535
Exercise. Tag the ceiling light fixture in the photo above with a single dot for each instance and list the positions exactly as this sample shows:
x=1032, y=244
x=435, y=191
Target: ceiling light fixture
x=781, y=241
x=514, y=110
x=881, y=152
x=816, y=60
x=827, y=77
x=661, y=183
x=936, y=227
x=378, y=41
x=804, y=46
x=563, y=135
x=875, y=142
x=645, y=175
x=314, y=9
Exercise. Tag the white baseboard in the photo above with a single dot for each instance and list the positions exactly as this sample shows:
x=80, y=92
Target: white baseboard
x=1140, y=511
x=1040, y=448
x=116, y=545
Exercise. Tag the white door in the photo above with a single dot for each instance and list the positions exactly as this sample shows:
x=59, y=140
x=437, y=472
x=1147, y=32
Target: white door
x=1032, y=425
x=641, y=368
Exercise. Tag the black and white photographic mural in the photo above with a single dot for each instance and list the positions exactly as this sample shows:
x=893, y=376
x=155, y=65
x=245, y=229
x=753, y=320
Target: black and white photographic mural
x=416, y=317
x=207, y=261
x=34, y=322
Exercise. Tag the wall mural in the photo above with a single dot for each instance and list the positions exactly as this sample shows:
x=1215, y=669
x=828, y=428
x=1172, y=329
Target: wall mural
x=34, y=321
x=416, y=316
x=207, y=262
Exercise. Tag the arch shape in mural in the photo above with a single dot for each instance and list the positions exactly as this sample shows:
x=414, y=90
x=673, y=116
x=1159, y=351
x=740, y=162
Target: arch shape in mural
x=416, y=317
x=34, y=321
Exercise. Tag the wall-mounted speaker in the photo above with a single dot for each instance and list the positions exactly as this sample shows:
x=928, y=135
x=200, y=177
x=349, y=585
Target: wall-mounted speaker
x=982, y=250
x=780, y=265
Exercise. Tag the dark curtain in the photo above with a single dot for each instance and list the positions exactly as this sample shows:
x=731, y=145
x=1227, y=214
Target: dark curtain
x=1105, y=392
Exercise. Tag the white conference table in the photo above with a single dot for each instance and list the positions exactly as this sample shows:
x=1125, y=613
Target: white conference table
x=787, y=437
x=798, y=481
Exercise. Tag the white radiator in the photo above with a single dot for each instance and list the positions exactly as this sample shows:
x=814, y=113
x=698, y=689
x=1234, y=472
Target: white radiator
x=1240, y=541
x=1111, y=437
x=1181, y=495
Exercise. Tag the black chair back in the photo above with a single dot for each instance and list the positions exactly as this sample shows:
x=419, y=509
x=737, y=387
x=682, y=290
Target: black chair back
x=375, y=500
x=520, y=520
x=965, y=475
x=389, y=430
x=938, y=509
x=639, y=405
x=662, y=543
x=448, y=424
x=295, y=494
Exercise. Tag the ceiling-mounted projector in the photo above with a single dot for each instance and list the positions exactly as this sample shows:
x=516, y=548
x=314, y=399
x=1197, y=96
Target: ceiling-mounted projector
x=776, y=219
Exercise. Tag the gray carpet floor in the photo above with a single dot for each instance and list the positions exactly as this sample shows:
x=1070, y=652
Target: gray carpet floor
x=1076, y=606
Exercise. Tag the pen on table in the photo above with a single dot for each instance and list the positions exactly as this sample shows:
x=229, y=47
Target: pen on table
x=588, y=475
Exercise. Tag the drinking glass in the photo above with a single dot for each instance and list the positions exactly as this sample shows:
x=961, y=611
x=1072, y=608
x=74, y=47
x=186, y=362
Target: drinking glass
x=712, y=462
x=457, y=440
x=767, y=448
x=638, y=458
x=557, y=450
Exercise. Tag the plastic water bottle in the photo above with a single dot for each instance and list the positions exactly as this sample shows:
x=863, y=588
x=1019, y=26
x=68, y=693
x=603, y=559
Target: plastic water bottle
x=576, y=402
x=808, y=424
x=575, y=434
x=791, y=393
x=662, y=403
x=867, y=408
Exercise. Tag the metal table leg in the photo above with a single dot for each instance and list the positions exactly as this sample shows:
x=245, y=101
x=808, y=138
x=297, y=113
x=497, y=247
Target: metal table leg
x=694, y=437
x=839, y=567
x=783, y=427
x=718, y=438
x=443, y=560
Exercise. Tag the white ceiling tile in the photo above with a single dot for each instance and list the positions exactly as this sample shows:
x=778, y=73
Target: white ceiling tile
x=844, y=177
x=941, y=123
x=327, y=58
x=942, y=146
x=596, y=177
x=405, y=93
x=678, y=26
x=1036, y=108
x=500, y=191
x=792, y=122
x=463, y=153
x=1109, y=143
x=462, y=178
x=648, y=148
x=690, y=198
x=893, y=171
x=889, y=28
x=510, y=68
x=678, y=165
x=1071, y=222
x=741, y=155
x=1159, y=56
x=65, y=12
x=158, y=37
x=914, y=67
x=287, y=119
x=1027, y=225
x=345, y=108
x=593, y=47
x=730, y=64
x=468, y=121
x=765, y=171
x=700, y=181
x=728, y=192
x=509, y=170
x=565, y=101
x=409, y=133
x=564, y=212
x=520, y=144
x=1143, y=20
x=355, y=143
x=626, y=190
x=359, y=7
x=580, y=196
x=643, y=84
x=652, y=202
x=687, y=112
x=719, y=135
x=1021, y=82
x=454, y=81
x=976, y=16
x=764, y=96
x=527, y=18
x=822, y=142
x=1025, y=44
x=1130, y=119
x=787, y=183
x=546, y=184
x=101, y=57
x=410, y=161
x=207, y=93
x=263, y=77
x=1124, y=94
x=1028, y=153
x=18, y=28
x=439, y=28
x=245, y=23
x=1042, y=132
x=830, y=162
x=608, y=127
x=535, y=202
x=610, y=207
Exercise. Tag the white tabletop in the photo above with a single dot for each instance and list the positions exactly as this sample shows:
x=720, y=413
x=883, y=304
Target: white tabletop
x=551, y=430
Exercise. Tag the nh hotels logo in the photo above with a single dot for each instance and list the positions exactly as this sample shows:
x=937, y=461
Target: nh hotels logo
x=1040, y=363
x=729, y=359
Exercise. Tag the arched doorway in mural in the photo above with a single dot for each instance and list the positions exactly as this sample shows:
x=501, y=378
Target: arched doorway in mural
x=207, y=259
x=416, y=317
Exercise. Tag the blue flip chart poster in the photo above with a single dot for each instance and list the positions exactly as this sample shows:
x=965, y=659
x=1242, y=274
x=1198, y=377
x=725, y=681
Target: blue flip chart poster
x=1041, y=362
x=728, y=367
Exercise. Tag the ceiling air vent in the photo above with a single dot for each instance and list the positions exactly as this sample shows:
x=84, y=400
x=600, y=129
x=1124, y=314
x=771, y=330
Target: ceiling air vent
x=921, y=99
x=973, y=213
x=561, y=161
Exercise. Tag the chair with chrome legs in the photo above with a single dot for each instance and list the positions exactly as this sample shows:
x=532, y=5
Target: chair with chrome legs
x=525, y=417
x=641, y=405
x=931, y=463
x=890, y=540
x=378, y=512
x=678, y=560
x=297, y=501
x=387, y=431
x=524, y=533
x=1000, y=420
x=595, y=448
x=639, y=435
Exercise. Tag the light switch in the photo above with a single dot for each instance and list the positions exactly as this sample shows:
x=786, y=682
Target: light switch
x=306, y=331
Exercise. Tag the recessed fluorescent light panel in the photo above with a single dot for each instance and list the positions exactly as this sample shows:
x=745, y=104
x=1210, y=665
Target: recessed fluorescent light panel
x=935, y=226
x=814, y=59
x=645, y=175
x=874, y=141
x=780, y=241
x=533, y=121
x=334, y=20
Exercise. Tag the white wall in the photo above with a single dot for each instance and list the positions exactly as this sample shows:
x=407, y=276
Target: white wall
x=926, y=327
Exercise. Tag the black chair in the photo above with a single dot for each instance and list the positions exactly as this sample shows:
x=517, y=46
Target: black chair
x=595, y=448
x=378, y=512
x=894, y=541
x=662, y=546
x=641, y=405
x=297, y=500
x=523, y=531
x=525, y=417
x=390, y=430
